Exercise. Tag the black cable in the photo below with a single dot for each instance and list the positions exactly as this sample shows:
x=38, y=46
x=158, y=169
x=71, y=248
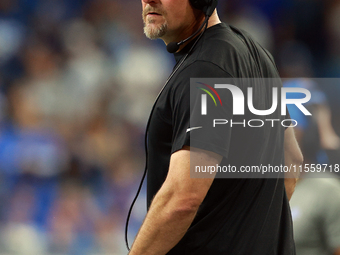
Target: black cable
x=147, y=129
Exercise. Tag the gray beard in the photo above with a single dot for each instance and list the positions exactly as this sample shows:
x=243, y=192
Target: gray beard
x=155, y=33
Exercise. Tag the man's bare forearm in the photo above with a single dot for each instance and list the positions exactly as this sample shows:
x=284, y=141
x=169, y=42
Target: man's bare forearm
x=175, y=205
x=293, y=157
x=166, y=223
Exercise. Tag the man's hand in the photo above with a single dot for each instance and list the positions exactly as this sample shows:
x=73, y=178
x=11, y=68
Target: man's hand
x=293, y=157
x=175, y=205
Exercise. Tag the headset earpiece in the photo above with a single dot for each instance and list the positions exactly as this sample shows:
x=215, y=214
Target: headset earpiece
x=207, y=6
x=200, y=4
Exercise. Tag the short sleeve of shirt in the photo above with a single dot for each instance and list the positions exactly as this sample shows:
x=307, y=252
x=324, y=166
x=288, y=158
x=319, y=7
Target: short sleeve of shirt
x=182, y=108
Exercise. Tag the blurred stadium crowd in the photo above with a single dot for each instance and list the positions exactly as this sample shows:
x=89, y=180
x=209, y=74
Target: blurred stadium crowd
x=78, y=79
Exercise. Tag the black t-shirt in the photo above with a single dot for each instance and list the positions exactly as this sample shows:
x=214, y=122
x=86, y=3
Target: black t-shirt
x=238, y=216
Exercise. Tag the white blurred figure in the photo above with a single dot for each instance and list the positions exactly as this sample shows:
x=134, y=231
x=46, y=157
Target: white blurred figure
x=315, y=208
x=87, y=72
x=19, y=235
x=138, y=84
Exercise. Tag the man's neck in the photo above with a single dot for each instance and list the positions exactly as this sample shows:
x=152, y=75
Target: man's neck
x=213, y=20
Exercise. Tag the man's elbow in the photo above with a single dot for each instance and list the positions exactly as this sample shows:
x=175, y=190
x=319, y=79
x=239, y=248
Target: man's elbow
x=184, y=205
x=299, y=159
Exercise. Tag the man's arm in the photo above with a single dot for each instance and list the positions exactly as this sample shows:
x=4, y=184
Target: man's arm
x=293, y=157
x=175, y=205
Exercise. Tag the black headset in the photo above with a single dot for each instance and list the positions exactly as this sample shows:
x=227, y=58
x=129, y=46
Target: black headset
x=207, y=7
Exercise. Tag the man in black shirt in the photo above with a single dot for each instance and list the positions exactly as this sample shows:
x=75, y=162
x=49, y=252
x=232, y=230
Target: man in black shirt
x=204, y=216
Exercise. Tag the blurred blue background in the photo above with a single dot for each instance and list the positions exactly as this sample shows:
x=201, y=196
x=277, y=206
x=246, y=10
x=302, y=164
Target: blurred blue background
x=77, y=81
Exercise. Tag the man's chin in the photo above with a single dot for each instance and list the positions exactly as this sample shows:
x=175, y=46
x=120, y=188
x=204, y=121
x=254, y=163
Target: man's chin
x=153, y=31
